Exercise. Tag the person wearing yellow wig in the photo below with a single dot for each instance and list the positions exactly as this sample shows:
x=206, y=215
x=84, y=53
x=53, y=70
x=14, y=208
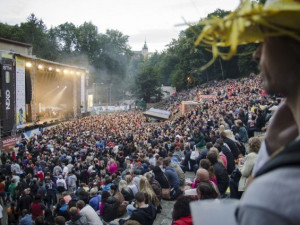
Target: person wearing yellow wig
x=273, y=196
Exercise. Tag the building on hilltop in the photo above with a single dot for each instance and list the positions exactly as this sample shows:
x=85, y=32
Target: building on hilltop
x=145, y=50
x=143, y=53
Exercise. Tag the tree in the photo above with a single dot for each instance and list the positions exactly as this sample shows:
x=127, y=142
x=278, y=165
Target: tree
x=66, y=35
x=147, y=84
x=35, y=33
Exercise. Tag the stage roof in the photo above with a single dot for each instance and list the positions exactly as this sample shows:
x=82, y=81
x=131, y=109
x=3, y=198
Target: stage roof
x=157, y=114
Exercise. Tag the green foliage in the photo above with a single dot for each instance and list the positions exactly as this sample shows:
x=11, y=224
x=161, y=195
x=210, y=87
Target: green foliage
x=110, y=60
x=179, y=64
x=147, y=84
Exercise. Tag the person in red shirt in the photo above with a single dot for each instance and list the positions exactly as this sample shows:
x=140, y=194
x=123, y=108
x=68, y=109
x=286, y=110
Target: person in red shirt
x=40, y=174
x=37, y=207
x=2, y=190
x=181, y=212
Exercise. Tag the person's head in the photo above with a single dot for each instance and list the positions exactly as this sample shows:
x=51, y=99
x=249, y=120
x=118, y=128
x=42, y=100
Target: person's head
x=80, y=204
x=212, y=157
x=139, y=198
x=128, y=179
x=157, y=171
x=150, y=176
x=217, y=147
x=223, y=135
x=60, y=220
x=205, y=164
x=220, y=141
x=105, y=195
x=37, y=198
x=202, y=175
x=24, y=212
x=93, y=192
x=239, y=123
x=222, y=128
x=166, y=162
x=278, y=59
x=131, y=222
x=73, y=212
x=209, y=145
x=144, y=184
x=254, y=144
x=182, y=207
x=113, y=189
x=39, y=221
x=123, y=185
x=205, y=190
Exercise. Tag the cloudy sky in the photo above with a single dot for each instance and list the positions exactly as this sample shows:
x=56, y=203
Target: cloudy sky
x=153, y=20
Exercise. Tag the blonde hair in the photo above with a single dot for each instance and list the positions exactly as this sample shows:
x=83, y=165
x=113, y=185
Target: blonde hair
x=214, y=149
x=146, y=188
x=222, y=128
x=123, y=185
x=128, y=179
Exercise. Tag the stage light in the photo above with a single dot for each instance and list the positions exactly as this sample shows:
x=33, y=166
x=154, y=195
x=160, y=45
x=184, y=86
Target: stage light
x=66, y=71
x=50, y=68
x=40, y=67
x=28, y=64
x=57, y=70
x=72, y=72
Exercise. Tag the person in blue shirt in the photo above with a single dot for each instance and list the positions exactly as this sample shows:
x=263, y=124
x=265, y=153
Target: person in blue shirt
x=26, y=218
x=173, y=179
x=95, y=200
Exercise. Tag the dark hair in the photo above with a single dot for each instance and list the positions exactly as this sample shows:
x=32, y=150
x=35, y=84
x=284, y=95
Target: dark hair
x=73, y=212
x=139, y=197
x=105, y=195
x=209, y=145
x=24, y=212
x=220, y=141
x=212, y=157
x=182, y=207
x=60, y=220
x=205, y=164
x=166, y=162
x=157, y=170
x=223, y=135
x=114, y=187
x=39, y=221
x=218, y=146
x=80, y=204
x=131, y=222
x=207, y=191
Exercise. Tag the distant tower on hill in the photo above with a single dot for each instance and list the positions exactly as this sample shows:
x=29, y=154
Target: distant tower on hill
x=145, y=50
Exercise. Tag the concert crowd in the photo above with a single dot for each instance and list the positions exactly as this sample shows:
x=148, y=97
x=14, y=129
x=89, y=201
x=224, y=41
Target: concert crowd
x=118, y=168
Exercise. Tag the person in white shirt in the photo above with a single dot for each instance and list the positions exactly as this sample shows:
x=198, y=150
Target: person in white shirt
x=89, y=212
x=65, y=170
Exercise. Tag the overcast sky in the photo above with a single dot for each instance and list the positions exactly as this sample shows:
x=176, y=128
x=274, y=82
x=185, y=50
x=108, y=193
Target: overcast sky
x=153, y=20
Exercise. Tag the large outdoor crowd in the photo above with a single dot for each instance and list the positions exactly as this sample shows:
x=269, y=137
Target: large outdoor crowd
x=117, y=168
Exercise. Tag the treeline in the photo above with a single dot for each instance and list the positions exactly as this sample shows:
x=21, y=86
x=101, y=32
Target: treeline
x=106, y=56
x=109, y=58
x=179, y=65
